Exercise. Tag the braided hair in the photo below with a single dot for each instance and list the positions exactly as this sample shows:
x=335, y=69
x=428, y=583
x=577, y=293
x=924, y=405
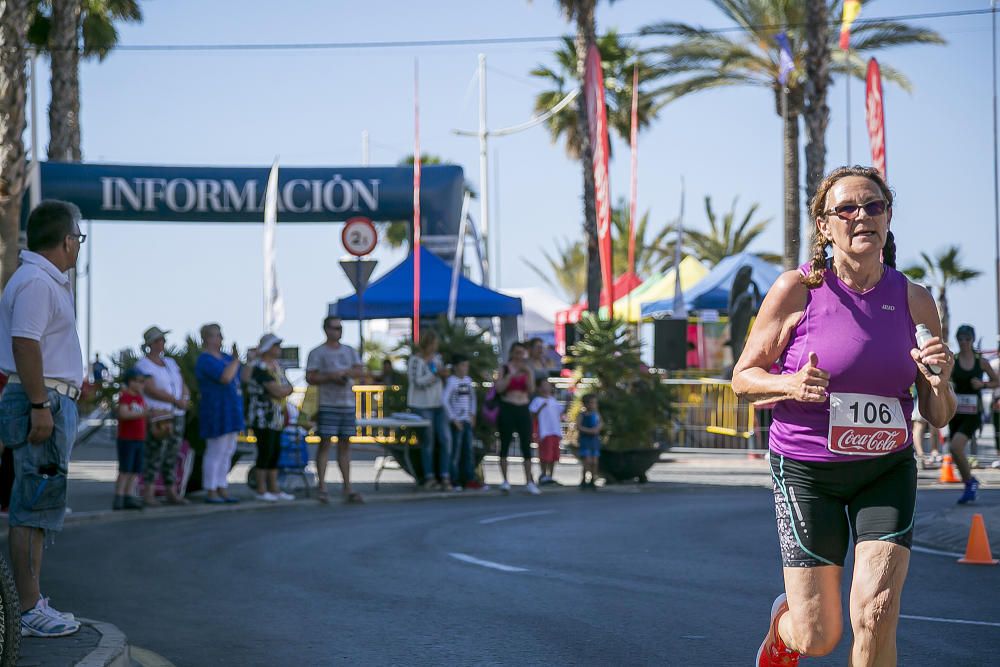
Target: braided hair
x=817, y=208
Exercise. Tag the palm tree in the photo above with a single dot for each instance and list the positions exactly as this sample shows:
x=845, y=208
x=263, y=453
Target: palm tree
x=815, y=112
x=941, y=272
x=581, y=12
x=701, y=59
x=13, y=91
x=567, y=272
x=59, y=27
x=618, y=58
x=727, y=237
x=650, y=255
x=569, y=266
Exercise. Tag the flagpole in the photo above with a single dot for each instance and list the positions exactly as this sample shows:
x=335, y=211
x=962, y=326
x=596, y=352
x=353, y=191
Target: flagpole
x=996, y=173
x=416, y=201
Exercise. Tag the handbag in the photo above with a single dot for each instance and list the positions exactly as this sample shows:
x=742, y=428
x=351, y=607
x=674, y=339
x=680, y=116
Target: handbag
x=491, y=407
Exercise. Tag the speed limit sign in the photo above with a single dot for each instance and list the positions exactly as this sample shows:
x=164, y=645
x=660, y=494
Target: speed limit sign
x=359, y=236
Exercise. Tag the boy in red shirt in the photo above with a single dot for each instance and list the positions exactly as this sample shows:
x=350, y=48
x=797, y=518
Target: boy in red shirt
x=131, y=440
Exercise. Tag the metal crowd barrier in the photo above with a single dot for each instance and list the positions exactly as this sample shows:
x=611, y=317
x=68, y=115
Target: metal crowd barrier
x=369, y=404
x=706, y=414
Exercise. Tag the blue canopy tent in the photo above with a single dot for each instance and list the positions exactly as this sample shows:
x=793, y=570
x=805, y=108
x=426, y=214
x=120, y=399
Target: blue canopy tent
x=391, y=296
x=712, y=291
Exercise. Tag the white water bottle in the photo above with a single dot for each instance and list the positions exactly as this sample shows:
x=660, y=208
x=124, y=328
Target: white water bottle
x=923, y=335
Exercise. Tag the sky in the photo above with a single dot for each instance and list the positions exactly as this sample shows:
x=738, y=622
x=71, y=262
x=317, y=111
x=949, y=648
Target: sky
x=310, y=107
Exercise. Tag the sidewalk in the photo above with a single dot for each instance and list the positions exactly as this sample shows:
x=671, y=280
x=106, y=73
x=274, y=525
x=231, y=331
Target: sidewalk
x=95, y=645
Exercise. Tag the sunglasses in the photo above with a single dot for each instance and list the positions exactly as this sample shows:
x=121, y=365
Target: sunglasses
x=80, y=238
x=335, y=328
x=851, y=211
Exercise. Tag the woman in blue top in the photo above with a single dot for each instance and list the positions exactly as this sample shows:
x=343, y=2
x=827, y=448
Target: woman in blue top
x=220, y=411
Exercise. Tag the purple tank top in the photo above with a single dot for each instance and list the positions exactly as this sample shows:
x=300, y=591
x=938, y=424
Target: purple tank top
x=864, y=342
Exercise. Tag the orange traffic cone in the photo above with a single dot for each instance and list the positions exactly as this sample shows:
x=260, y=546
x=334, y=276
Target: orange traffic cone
x=949, y=475
x=977, y=552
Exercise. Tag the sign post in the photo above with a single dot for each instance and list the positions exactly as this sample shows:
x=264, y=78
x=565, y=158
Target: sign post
x=359, y=238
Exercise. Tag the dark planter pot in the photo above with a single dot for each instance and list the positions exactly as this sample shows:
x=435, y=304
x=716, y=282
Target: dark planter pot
x=414, y=465
x=627, y=465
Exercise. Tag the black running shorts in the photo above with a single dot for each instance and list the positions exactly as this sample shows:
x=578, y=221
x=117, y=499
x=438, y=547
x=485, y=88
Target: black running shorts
x=964, y=424
x=818, y=503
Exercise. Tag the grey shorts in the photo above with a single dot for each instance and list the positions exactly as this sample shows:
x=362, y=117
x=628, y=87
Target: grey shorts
x=336, y=422
x=38, y=499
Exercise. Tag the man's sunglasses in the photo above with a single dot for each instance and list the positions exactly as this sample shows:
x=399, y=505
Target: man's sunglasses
x=80, y=238
x=335, y=327
x=851, y=211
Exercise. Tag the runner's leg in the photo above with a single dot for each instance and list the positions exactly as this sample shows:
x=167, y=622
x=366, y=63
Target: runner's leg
x=879, y=573
x=814, y=622
x=957, y=449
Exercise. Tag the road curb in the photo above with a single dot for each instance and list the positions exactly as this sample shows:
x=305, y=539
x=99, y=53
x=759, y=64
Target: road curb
x=111, y=651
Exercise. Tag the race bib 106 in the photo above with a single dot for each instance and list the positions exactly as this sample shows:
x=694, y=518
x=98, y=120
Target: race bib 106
x=866, y=425
x=968, y=404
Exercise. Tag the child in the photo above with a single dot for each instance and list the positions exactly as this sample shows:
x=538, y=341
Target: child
x=459, y=400
x=131, y=439
x=589, y=425
x=546, y=409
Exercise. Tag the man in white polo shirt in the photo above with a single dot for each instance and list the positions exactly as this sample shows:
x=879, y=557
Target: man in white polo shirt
x=40, y=352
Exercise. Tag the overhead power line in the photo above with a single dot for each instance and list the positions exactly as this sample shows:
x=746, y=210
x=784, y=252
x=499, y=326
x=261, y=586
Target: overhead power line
x=495, y=41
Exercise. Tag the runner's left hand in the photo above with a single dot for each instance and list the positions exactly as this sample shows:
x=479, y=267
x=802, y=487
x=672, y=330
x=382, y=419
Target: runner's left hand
x=934, y=353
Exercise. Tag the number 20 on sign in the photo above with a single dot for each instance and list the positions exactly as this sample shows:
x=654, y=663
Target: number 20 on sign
x=359, y=236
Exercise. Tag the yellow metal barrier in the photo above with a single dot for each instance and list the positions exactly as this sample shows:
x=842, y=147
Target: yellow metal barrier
x=707, y=413
x=369, y=404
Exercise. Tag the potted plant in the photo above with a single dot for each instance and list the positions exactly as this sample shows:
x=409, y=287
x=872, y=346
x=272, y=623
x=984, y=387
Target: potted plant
x=633, y=402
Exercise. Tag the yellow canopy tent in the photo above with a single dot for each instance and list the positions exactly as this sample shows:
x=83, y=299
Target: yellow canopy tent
x=658, y=287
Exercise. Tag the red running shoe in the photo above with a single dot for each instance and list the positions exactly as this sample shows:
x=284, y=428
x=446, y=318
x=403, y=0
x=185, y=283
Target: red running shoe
x=773, y=652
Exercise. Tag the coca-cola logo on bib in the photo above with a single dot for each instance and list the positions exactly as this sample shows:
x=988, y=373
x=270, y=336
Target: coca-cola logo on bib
x=868, y=441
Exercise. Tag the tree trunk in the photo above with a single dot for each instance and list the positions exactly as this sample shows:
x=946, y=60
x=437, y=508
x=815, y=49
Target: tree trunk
x=791, y=108
x=13, y=92
x=942, y=304
x=64, y=108
x=585, y=36
x=815, y=110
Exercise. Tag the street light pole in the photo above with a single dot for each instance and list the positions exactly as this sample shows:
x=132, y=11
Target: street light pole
x=484, y=198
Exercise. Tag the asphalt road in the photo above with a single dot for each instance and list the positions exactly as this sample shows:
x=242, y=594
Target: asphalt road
x=679, y=575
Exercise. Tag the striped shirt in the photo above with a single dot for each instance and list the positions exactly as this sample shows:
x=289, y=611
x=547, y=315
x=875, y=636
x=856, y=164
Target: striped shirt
x=460, y=399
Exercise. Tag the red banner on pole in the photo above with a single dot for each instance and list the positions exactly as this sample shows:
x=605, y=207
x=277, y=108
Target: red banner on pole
x=875, y=114
x=634, y=198
x=416, y=203
x=597, y=115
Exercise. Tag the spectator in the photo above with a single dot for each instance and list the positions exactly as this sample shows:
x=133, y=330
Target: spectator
x=514, y=386
x=167, y=398
x=40, y=354
x=548, y=411
x=459, y=400
x=588, y=426
x=334, y=367
x=220, y=411
x=542, y=365
x=268, y=389
x=426, y=374
x=98, y=371
x=388, y=377
x=132, y=414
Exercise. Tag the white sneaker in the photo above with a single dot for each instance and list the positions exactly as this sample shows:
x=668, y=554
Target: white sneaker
x=39, y=621
x=45, y=606
x=505, y=486
x=532, y=489
x=267, y=497
x=285, y=496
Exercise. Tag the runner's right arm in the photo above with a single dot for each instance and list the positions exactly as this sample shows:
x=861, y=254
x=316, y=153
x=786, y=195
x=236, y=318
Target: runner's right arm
x=780, y=313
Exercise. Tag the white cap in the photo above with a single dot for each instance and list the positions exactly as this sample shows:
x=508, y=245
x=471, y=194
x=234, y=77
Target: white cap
x=267, y=341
